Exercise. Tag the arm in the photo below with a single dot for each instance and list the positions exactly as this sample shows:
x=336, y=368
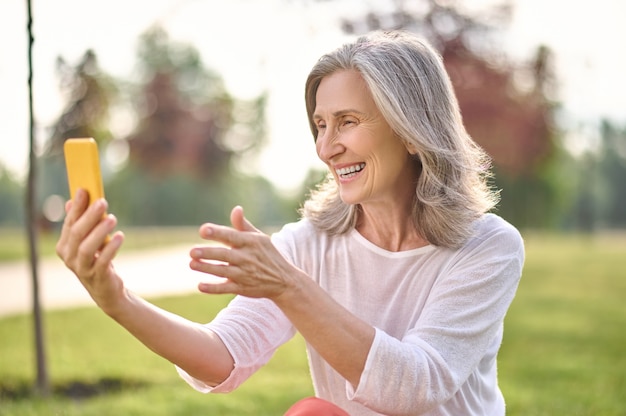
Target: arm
x=451, y=349
x=342, y=339
x=457, y=333
x=189, y=345
x=254, y=268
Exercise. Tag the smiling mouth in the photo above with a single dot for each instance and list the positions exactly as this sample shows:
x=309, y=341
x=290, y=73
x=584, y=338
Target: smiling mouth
x=350, y=171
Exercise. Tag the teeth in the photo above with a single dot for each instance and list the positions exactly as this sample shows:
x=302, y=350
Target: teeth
x=350, y=169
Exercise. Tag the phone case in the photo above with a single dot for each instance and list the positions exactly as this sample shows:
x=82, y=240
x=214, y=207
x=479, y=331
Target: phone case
x=82, y=163
x=83, y=167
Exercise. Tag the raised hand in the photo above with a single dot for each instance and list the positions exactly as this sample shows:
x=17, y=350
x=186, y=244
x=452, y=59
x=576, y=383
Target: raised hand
x=82, y=249
x=246, y=259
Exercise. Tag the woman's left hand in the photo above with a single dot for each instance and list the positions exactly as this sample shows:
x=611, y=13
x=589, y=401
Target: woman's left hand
x=247, y=260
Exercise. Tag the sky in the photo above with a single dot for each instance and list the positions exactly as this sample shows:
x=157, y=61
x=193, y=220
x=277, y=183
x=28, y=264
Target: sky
x=271, y=45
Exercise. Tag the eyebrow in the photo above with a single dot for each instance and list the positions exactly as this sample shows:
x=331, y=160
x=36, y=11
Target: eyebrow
x=341, y=113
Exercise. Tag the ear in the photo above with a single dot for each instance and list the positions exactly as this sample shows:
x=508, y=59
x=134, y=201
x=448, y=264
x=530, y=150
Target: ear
x=410, y=147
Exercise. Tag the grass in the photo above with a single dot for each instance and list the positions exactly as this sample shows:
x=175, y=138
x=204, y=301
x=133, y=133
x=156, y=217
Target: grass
x=563, y=351
x=97, y=369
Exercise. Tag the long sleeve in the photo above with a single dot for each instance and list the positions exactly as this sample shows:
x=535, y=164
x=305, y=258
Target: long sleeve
x=252, y=330
x=453, y=345
x=438, y=315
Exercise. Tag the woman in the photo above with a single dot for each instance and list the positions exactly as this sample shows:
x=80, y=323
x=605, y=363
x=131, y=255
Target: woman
x=396, y=276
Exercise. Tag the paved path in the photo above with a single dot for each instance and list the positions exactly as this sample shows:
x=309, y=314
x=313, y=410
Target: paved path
x=149, y=273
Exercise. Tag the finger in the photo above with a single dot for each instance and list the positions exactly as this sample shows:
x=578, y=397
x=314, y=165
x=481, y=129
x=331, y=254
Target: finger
x=84, y=222
x=93, y=239
x=240, y=222
x=110, y=250
x=74, y=210
x=218, y=288
x=226, y=235
x=212, y=253
x=77, y=206
x=218, y=261
x=212, y=268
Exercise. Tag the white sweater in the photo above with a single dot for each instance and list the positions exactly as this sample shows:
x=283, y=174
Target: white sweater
x=438, y=315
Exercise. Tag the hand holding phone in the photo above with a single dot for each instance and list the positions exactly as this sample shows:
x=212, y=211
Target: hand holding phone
x=82, y=163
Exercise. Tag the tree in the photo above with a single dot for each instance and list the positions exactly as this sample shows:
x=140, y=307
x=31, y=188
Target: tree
x=188, y=121
x=511, y=120
x=585, y=208
x=189, y=133
x=43, y=382
x=600, y=173
x=89, y=94
x=11, y=193
x=612, y=168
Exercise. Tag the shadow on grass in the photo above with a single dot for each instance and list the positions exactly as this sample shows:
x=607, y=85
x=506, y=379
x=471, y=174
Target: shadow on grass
x=75, y=389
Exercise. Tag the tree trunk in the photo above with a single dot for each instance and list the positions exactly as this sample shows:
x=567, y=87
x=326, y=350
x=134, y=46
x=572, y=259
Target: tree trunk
x=43, y=384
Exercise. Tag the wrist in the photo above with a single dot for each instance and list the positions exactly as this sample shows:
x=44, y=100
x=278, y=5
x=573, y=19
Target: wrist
x=297, y=292
x=117, y=306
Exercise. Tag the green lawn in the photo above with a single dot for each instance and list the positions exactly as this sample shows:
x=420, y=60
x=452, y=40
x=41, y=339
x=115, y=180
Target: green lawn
x=563, y=352
x=565, y=334
x=98, y=369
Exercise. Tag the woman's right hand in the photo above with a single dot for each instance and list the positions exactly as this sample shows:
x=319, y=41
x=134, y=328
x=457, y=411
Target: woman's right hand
x=82, y=248
x=191, y=346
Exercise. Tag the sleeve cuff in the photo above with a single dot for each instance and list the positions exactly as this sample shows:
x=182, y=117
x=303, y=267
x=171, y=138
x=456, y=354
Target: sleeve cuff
x=353, y=393
x=228, y=385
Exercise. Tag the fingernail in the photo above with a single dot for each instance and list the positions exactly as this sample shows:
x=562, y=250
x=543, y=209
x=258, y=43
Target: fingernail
x=100, y=203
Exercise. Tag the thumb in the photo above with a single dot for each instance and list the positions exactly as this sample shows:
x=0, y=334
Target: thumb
x=239, y=221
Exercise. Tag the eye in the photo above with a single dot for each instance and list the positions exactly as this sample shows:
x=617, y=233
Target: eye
x=347, y=122
x=320, y=126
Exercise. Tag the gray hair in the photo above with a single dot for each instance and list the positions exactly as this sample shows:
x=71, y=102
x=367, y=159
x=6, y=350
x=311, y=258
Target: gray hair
x=412, y=90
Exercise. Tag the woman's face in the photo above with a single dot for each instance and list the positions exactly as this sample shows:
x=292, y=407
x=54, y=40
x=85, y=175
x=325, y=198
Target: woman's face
x=369, y=162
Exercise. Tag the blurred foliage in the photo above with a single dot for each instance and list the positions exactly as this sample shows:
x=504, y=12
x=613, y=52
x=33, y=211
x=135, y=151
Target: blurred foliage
x=507, y=107
x=138, y=198
x=175, y=163
x=176, y=166
x=612, y=169
x=188, y=122
x=88, y=93
x=600, y=180
x=11, y=199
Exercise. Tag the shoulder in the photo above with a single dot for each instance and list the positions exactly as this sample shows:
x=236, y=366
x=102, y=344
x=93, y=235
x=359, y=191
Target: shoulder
x=296, y=236
x=494, y=234
x=301, y=229
x=492, y=224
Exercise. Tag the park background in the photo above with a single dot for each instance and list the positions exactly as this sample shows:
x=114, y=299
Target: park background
x=198, y=106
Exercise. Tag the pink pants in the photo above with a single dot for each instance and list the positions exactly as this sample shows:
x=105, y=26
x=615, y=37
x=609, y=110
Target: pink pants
x=314, y=406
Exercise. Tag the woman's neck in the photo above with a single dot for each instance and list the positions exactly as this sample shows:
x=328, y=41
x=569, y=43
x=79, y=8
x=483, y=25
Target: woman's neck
x=390, y=228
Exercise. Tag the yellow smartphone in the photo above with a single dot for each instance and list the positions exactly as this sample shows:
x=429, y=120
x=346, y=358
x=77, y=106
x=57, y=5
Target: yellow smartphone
x=82, y=163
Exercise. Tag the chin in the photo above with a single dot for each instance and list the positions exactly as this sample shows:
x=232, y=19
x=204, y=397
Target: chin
x=348, y=198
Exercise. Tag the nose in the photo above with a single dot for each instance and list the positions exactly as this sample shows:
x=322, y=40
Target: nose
x=328, y=145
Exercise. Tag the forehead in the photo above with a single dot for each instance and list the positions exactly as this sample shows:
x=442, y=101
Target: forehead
x=342, y=90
